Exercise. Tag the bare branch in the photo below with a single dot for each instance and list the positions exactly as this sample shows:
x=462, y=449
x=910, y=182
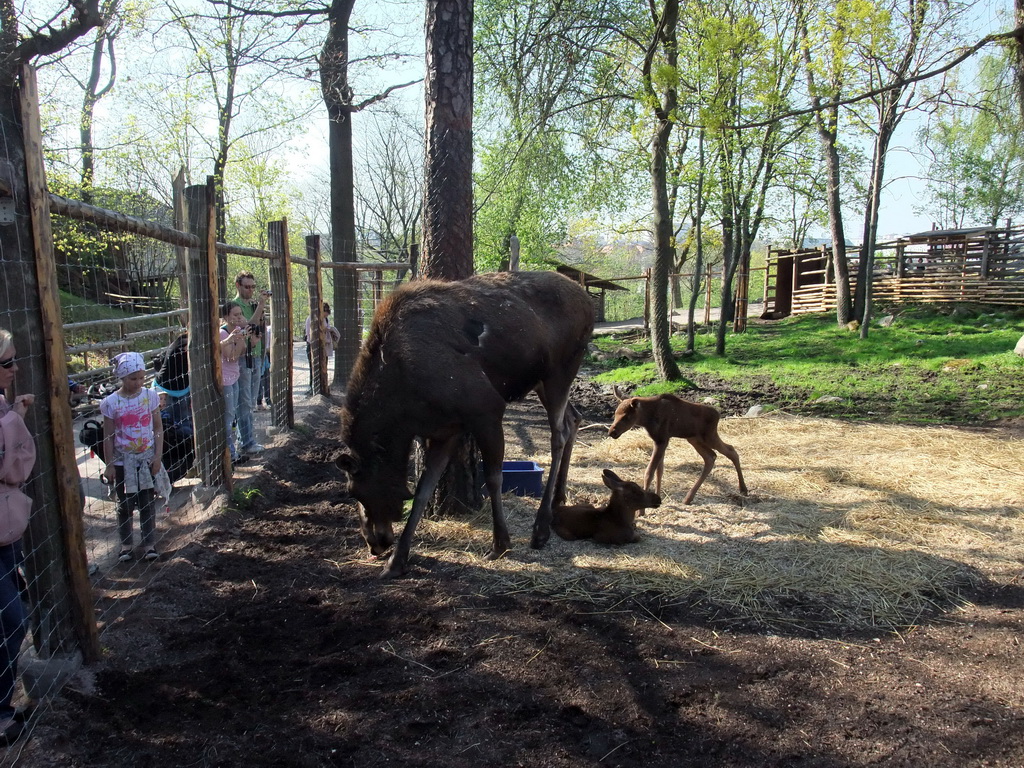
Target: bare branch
x=898, y=84
x=86, y=16
x=383, y=95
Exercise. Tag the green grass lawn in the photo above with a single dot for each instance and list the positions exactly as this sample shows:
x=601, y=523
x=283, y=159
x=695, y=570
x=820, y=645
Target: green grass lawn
x=929, y=367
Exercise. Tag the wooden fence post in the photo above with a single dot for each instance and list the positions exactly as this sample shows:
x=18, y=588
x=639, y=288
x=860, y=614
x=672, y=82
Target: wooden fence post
x=282, y=376
x=56, y=565
x=212, y=456
x=180, y=258
x=315, y=339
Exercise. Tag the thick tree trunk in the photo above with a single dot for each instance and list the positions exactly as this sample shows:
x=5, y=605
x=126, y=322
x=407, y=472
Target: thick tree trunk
x=447, y=249
x=338, y=98
x=447, y=243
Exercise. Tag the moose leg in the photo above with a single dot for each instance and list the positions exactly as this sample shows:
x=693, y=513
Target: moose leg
x=655, y=466
x=437, y=455
x=730, y=453
x=572, y=425
x=492, y=451
x=709, y=462
x=555, y=398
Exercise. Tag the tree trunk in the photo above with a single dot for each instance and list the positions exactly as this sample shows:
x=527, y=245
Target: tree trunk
x=338, y=98
x=447, y=243
x=844, y=308
x=867, y=262
x=698, y=264
x=664, y=245
x=728, y=270
x=664, y=257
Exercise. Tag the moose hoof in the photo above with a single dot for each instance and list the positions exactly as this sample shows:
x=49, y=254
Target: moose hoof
x=538, y=541
x=393, y=571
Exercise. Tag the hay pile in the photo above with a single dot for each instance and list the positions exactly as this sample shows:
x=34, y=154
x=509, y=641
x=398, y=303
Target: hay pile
x=847, y=525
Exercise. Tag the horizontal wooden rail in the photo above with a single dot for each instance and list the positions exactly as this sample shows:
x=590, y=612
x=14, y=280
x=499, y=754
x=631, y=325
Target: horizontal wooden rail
x=242, y=250
x=123, y=320
x=119, y=222
x=126, y=339
x=363, y=266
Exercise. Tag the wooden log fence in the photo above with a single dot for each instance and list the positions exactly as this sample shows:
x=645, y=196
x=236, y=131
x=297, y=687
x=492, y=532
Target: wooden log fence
x=63, y=531
x=984, y=265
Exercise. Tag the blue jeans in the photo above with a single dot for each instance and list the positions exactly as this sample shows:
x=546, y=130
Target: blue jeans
x=12, y=624
x=248, y=387
x=230, y=408
x=264, y=391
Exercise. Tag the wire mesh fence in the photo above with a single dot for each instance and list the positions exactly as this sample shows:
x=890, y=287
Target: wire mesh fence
x=137, y=387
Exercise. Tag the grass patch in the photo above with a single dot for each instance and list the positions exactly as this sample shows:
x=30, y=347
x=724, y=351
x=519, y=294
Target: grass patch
x=928, y=367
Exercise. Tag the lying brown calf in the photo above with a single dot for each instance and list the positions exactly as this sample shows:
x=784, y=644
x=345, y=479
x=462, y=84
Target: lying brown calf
x=668, y=416
x=614, y=523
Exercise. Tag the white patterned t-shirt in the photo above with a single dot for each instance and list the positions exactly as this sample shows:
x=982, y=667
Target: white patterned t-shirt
x=133, y=420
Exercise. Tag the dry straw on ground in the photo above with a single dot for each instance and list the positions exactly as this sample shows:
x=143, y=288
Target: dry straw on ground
x=848, y=525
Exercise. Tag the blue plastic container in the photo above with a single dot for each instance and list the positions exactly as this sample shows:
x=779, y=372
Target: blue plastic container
x=523, y=478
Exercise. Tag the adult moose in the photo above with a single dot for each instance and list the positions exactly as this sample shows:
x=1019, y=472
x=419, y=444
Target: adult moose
x=443, y=359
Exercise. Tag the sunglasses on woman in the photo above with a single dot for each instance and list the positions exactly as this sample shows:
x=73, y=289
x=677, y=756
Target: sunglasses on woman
x=8, y=363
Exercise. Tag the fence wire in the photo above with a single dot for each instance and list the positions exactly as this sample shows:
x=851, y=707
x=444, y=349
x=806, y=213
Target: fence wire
x=120, y=292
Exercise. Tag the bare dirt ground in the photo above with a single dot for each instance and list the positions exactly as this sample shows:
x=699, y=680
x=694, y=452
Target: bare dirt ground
x=271, y=641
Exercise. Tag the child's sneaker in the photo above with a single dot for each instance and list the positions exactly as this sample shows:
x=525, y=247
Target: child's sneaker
x=126, y=556
x=152, y=554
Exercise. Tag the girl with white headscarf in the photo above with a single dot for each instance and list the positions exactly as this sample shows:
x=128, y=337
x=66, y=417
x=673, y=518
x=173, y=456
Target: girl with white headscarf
x=133, y=444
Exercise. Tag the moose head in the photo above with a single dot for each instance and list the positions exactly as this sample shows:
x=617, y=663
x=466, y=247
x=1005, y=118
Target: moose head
x=380, y=500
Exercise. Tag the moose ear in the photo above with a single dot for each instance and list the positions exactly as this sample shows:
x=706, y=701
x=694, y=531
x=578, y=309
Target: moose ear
x=618, y=395
x=612, y=480
x=346, y=462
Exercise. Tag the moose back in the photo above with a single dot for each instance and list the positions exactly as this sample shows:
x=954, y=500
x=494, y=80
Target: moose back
x=443, y=359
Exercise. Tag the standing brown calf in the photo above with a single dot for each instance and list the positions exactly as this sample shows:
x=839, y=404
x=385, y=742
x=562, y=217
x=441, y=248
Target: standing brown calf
x=614, y=523
x=668, y=416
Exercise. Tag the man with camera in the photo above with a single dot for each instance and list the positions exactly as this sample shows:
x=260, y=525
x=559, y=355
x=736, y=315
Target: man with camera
x=252, y=366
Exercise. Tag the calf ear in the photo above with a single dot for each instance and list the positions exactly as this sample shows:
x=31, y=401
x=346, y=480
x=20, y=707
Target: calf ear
x=612, y=480
x=346, y=462
x=618, y=395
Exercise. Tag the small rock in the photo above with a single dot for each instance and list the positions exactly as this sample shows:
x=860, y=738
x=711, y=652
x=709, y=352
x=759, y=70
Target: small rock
x=709, y=400
x=1019, y=349
x=886, y=321
x=754, y=411
x=828, y=399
